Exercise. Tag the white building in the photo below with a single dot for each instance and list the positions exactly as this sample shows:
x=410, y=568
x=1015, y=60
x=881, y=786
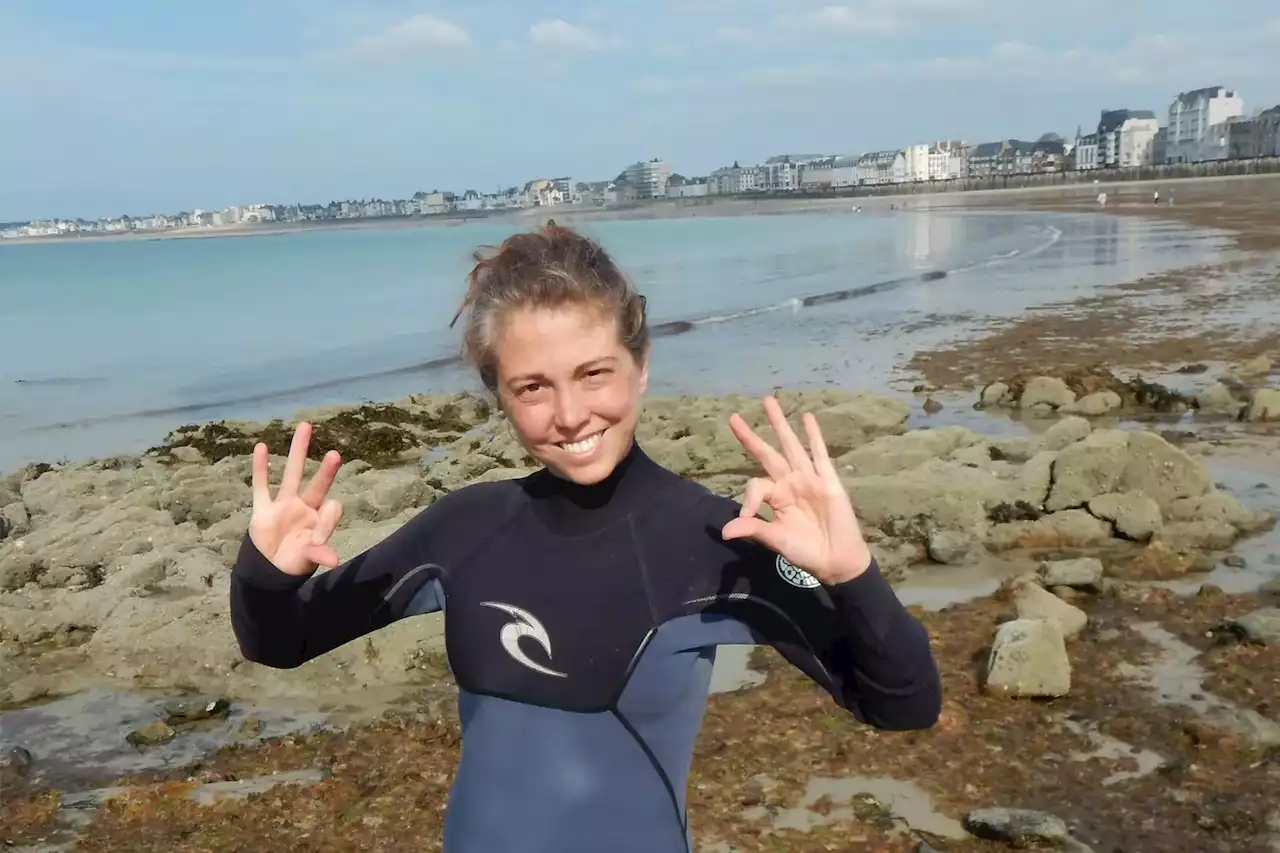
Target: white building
x=1086, y=152
x=649, y=179
x=915, y=163
x=948, y=160
x=732, y=180
x=882, y=167
x=844, y=172
x=1126, y=138
x=1191, y=117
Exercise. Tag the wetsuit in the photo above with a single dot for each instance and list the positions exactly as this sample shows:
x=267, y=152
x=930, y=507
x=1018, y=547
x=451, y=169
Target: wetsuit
x=581, y=627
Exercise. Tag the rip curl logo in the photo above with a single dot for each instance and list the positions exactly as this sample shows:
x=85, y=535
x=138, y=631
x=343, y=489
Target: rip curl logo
x=525, y=624
x=795, y=576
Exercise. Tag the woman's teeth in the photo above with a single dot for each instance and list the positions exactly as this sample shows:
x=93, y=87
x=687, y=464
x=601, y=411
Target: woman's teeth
x=583, y=447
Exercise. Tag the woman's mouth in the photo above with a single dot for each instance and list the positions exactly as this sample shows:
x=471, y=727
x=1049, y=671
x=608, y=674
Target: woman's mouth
x=584, y=446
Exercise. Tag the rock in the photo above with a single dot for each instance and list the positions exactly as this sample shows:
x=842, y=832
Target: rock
x=1035, y=602
x=14, y=520
x=1083, y=574
x=1094, y=405
x=1134, y=515
x=1029, y=659
x=152, y=733
x=1065, y=432
x=937, y=495
x=1264, y=406
x=1261, y=626
x=849, y=424
x=1217, y=399
x=995, y=394
x=931, y=406
x=1088, y=468
x=894, y=453
x=950, y=547
x=15, y=764
x=1158, y=561
x=1221, y=507
x=1071, y=528
x=1253, y=368
x=1014, y=448
x=193, y=710
x=1163, y=472
x=1017, y=827
x=1183, y=536
x=188, y=454
x=1046, y=391
x=19, y=569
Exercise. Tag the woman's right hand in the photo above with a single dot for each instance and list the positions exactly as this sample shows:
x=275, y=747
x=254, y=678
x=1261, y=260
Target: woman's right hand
x=292, y=529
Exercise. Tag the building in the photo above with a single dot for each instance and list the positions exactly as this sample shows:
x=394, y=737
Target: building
x=1126, y=138
x=1192, y=116
x=732, y=180
x=882, y=167
x=948, y=160
x=679, y=186
x=1086, y=152
x=818, y=175
x=648, y=179
x=778, y=175
x=844, y=172
x=915, y=167
x=1049, y=154
x=1255, y=137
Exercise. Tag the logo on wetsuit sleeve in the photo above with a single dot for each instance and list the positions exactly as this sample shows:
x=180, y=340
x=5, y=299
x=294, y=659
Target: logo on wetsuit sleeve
x=525, y=625
x=795, y=576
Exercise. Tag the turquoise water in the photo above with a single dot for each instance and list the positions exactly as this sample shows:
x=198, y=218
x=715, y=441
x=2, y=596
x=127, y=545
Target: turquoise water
x=104, y=346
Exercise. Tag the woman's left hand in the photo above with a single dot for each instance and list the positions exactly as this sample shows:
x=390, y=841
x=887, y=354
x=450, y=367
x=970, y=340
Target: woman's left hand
x=814, y=526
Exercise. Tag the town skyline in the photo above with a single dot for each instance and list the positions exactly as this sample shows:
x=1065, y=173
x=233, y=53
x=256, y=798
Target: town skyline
x=122, y=108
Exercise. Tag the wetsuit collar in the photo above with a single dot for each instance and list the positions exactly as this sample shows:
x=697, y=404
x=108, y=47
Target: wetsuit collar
x=570, y=508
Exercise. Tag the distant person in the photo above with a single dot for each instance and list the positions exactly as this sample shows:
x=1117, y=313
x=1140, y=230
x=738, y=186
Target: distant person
x=585, y=602
x=1155, y=197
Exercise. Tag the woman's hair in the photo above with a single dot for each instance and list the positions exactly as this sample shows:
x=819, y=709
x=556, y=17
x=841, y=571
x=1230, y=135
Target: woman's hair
x=549, y=267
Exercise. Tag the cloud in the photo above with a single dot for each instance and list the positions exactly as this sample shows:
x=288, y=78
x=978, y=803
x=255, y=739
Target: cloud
x=414, y=35
x=562, y=35
x=876, y=17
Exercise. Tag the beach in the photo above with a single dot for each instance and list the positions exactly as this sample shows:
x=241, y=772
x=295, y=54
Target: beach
x=1074, y=488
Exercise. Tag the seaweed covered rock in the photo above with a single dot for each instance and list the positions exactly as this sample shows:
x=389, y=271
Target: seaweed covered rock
x=1091, y=391
x=381, y=434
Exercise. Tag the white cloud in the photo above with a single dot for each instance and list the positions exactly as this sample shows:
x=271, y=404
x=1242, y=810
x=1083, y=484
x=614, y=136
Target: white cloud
x=416, y=34
x=876, y=17
x=842, y=19
x=562, y=35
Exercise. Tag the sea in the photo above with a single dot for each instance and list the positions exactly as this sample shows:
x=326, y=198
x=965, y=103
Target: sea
x=105, y=346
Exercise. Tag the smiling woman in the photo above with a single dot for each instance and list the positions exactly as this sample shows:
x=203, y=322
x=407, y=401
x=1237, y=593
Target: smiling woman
x=585, y=602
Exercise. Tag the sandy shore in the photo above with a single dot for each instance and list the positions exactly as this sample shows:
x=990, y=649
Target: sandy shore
x=1156, y=724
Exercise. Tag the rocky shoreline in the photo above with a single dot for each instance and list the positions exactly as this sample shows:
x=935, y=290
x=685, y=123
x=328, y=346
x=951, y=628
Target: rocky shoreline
x=1084, y=689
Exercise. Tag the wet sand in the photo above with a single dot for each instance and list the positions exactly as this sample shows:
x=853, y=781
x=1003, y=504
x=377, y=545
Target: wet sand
x=1220, y=313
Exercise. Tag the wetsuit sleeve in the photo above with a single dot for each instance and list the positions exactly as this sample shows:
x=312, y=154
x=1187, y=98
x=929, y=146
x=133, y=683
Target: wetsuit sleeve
x=855, y=639
x=284, y=621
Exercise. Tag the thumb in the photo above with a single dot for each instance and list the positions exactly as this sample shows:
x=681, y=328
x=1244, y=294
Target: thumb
x=744, y=527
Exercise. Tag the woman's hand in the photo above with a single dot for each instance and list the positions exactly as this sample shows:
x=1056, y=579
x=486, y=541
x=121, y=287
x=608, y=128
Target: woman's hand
x=292, y=529
x=814, y=526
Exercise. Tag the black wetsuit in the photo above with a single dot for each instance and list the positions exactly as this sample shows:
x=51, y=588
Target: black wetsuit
x=581, y=626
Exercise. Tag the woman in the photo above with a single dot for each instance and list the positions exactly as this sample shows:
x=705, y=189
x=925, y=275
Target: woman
x=585, y=602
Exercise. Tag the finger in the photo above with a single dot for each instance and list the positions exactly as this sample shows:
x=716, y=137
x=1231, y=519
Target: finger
x=764, y=532
x=294, y=468
x=757, y=492
x=791, y=446
x=817, y=447
x=330, y=515
x=314, y=494
x=261, y=486
x=323, y=555
x=774, y=464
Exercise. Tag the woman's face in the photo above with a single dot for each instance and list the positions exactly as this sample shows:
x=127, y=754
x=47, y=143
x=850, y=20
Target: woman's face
x=570, y=388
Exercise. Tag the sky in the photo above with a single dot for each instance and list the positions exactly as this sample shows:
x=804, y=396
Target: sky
x=155, y=106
